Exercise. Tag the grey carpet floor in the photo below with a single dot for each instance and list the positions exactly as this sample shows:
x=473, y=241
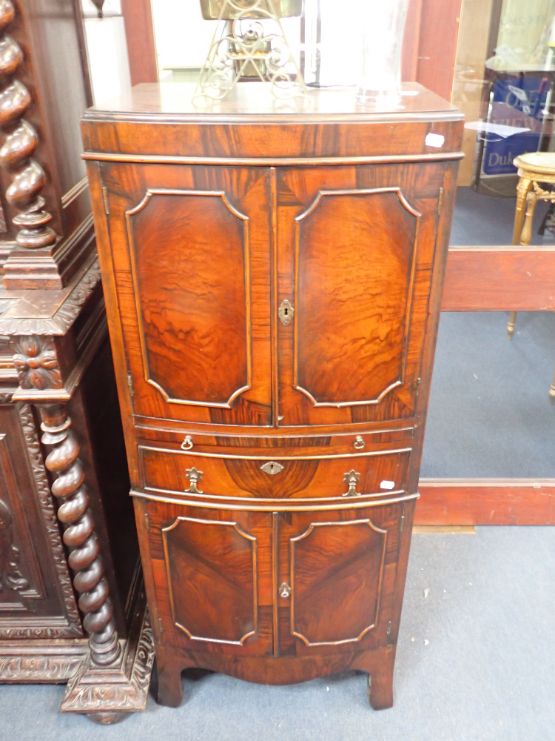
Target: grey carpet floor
x=476, y=661
x=490, y=414
x=481, y=218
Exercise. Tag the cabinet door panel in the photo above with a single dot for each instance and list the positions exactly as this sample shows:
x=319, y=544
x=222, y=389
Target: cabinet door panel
x=210, y=571
x=192, y=287
x=217, y=562
x=192, y=303
x=355, y=260
x=341, y=568
x=358, y=317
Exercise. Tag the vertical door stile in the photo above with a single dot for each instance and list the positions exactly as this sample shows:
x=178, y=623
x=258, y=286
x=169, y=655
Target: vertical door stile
x=275, y=582
x=274, y=296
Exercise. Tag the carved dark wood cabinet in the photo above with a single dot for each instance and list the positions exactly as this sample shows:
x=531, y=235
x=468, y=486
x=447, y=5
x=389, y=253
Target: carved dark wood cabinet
x=273, y=281
x=70, y=587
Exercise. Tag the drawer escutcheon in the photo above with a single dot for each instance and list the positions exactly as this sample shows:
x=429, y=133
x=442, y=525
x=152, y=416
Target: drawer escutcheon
x=272, y=468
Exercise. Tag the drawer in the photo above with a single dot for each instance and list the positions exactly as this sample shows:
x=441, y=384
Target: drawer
x=344, y=444
x=311, y=476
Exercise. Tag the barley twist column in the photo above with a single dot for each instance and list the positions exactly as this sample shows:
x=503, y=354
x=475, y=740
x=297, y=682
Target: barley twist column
x=79, y=532
x=27, y=178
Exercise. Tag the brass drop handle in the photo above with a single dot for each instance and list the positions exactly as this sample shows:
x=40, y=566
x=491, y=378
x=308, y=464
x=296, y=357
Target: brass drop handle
x=359, y=442
x=194, y=476
x=351, y=478
x=187, y=443
x=284, y=590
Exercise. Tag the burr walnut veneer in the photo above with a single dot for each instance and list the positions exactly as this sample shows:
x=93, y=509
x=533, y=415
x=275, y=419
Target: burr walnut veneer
x=272, y=276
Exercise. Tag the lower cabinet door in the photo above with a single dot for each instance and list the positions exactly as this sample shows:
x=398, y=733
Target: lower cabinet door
x=338, y=578
x=208, y=575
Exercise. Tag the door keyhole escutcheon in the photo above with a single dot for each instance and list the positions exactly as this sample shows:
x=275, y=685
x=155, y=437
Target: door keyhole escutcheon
x=284, y=590
x=286, y=312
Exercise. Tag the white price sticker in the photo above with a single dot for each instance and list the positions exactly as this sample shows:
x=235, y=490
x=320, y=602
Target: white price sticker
x=434, y=140
x=388, y=485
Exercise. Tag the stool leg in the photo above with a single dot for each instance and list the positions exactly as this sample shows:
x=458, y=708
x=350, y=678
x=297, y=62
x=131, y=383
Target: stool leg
x=511, y=324
x=522, y=230
x=522, y=189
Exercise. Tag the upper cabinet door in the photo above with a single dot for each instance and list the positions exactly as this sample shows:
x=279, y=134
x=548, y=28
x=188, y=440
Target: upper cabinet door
x=356, y=248
x=190, y=251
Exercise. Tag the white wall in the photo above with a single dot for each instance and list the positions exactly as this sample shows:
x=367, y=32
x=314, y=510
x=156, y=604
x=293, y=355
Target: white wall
x=182, y=36
x=107, y=50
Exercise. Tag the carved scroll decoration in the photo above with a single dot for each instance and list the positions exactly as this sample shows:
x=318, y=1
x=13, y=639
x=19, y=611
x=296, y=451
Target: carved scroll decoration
x=39, y=668
x=27, y=178
x=109, y=697
x=58, y=323
x=37, y=363
x=80, y=537
x=10, y=574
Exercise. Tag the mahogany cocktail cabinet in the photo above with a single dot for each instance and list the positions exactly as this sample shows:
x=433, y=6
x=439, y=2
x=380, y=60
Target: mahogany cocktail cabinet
x=272, y=273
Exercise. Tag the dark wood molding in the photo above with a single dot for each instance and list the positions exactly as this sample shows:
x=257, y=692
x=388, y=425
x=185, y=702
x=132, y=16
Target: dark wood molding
x=486, y=502
x=430, y=44
x=23, y=317
x=108, y=696
x=141, y=46
x=411, y=41
x=499, y=279
x=45, y=661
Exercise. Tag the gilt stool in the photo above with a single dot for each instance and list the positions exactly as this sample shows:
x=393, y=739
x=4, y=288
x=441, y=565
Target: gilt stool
x=535, y=170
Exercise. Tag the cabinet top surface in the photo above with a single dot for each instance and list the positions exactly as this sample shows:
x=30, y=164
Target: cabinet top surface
x=252, y=103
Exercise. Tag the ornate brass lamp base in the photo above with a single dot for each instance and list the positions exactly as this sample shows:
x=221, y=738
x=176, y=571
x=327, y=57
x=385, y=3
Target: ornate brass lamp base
x=249, y=43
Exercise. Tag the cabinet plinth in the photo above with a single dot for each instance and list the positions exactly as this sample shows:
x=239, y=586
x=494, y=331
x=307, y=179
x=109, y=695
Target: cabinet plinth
x=272, y=283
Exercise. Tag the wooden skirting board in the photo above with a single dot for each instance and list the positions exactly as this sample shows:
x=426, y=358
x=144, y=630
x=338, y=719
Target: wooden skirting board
x=486, y=502
x=496, y=278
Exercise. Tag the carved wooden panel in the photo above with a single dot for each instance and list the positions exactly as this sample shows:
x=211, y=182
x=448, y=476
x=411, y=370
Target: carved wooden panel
x=36, y=595
x=192, y=286
x=336, y=580
x=212, y=579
